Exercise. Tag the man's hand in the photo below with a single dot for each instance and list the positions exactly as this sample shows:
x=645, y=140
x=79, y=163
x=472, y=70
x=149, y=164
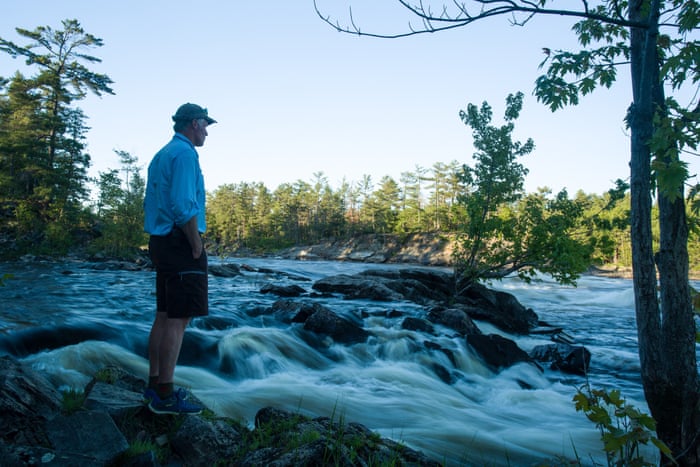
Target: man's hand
x=192, y=233
x=197, y=247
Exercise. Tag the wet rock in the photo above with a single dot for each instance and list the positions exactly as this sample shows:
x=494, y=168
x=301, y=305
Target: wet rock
x=417, y=324
x=224, y=270
x=290, y=311
x=358, y=286
x=563, y=357
x=414, y=284
x=283, y=290
x=498, y=308
x=496, y=351
x=340, y=329
x=454, y=319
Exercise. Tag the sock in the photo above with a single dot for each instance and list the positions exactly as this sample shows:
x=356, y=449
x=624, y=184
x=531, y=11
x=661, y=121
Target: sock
x=165, y=390
x=153, y=382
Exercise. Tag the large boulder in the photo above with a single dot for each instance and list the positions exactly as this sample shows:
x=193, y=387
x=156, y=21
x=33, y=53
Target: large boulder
x=27, y=401
x=455, y=319
x=292, y=290
x=501, y=309
x=342, y=330
x=357, y=286
x=291, y=311
x=496, y=351
x=224, y=270
x=563, y=357
x=418, y=285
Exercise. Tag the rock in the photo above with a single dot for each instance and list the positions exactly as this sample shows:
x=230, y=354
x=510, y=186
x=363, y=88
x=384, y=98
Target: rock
x=290, y=311
x=455, y=319
x=430, y=249
x=35, y=432
x=27, y=402
x=498, y=308
x=357, y=286
x=417, y=324
x=282, y=290
x=340, y=329
x=224, y=270
x=497, y=351
x=418, y=285
x=205, y=442
x=437, y=285
x=87, y=434
x=563, y=357
x=333, y=443
x=374, y=291
x=117, y=402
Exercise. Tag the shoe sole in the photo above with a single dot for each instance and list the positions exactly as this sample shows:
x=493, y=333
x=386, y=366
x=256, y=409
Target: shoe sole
x=172, y=412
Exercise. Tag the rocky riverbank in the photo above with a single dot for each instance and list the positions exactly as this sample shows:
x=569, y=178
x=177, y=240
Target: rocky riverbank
x=108, y=424
x=428, y=249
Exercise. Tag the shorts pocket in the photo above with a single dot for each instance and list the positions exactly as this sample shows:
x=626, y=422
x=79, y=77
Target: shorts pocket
x=188, y=294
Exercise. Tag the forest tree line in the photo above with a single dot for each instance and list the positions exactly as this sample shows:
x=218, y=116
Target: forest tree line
x=46, y=205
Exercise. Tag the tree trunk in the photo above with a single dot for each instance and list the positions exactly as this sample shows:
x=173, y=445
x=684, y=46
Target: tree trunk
x=666, y=338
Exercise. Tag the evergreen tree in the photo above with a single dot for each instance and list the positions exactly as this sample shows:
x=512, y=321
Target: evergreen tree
x=43, y=163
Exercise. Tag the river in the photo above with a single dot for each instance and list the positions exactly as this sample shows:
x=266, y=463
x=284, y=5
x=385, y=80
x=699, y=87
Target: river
x=69, y=319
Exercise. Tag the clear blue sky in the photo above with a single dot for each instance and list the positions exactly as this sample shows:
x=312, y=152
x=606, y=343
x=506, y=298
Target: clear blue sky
x=294, y=97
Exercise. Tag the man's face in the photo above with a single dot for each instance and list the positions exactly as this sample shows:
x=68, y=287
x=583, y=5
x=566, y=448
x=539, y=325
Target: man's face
x=200, y=131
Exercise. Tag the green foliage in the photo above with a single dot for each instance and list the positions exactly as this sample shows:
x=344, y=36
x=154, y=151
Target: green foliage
x=107, y=375
x=623, y=427
x=571, y=75
x=43, y=163
x=72, y=401
x=4, y=278
x=504, y=231
x=120, y=209
x=604, y=225
x=138, y=447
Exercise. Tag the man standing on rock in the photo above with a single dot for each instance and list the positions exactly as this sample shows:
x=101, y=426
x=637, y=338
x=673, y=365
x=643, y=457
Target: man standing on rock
x=175, y=219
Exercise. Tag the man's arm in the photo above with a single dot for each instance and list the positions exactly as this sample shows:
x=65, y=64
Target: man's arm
x=192, y=233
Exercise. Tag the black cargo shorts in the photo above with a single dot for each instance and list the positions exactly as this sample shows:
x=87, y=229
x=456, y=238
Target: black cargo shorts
x=182, y=287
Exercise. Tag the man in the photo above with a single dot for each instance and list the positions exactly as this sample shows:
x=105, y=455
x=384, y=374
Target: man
x=174, y=217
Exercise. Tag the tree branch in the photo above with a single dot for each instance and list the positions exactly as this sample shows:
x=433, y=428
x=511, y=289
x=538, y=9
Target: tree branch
x=445, y=21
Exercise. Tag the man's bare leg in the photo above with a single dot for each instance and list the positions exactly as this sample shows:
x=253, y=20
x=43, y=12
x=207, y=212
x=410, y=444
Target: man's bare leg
x=154, y=340
x=172, y=333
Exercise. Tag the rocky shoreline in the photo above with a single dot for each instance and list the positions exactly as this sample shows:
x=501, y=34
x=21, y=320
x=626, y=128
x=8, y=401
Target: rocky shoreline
x=110, y=425
x=107, y=423
x=425, y=249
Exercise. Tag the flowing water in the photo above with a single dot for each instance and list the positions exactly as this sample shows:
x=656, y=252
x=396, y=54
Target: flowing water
x=69, y=320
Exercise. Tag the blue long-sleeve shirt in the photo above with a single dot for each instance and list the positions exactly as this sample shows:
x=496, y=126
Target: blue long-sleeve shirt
x=175, y=188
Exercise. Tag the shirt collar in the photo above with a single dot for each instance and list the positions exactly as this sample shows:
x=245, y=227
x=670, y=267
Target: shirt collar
x=184, y=138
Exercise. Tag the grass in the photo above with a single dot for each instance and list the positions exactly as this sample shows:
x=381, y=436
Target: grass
x=73, y=401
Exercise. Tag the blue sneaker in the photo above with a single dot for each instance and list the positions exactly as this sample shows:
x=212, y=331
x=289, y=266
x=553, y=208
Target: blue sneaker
x=174, y=404
x=149, y=394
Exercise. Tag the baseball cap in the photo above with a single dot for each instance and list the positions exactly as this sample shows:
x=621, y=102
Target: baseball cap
x=192, y=112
